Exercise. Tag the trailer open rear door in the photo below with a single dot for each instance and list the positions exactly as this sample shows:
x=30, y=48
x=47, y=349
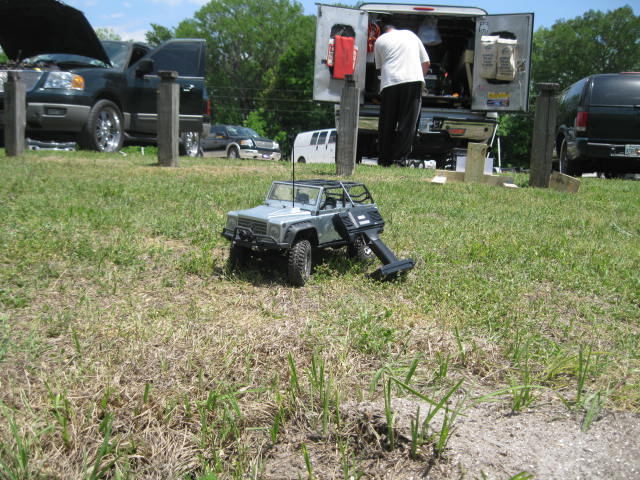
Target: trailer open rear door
x=502, y=63
x=341, y=49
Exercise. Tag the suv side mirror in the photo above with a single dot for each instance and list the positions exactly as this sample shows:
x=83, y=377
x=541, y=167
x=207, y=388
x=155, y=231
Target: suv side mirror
x=145, y=67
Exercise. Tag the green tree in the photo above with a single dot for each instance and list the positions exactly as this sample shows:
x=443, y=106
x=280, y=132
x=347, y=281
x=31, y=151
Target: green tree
x=107, y=34
x=3, y=57
x=286, y=104
x=245, y=39
x=158, y=34
x=596, y=42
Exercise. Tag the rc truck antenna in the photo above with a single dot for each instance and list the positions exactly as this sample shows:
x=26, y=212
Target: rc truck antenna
x=293, y=181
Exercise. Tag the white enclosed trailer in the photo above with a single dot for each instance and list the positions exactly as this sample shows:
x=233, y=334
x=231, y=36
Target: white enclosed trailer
x=480, y=66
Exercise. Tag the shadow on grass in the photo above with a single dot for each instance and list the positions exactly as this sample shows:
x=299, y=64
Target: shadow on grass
x=262, y=269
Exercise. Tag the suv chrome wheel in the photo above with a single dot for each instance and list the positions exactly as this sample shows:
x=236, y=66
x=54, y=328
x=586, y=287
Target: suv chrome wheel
x=103, y=131
x=233, y=153
x=190, y=144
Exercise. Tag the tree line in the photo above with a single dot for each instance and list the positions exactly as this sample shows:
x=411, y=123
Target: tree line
x=260, y=56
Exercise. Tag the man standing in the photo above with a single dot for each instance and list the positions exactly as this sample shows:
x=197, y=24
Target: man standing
x=403, y=61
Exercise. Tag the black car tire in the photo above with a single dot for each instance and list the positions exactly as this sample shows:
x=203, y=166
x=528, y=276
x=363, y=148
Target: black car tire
x=565, y=165
x=300, y=263
x=233, y=153
x=190, y=144
x=302, y=160
x=103, y=131
x=360, y=250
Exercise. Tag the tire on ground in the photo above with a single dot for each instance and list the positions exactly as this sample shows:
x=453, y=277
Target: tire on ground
x=104, y=131
x=299, y=263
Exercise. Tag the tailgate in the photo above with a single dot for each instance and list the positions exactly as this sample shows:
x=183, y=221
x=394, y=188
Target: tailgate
x=614, y=123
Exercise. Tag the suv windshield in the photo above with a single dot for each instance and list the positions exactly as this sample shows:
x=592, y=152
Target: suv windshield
x=242, y=132
x=303, y=194
x=118, y=53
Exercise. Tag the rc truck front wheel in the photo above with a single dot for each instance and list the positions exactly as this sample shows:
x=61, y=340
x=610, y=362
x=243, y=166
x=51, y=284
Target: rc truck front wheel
x=300, y=263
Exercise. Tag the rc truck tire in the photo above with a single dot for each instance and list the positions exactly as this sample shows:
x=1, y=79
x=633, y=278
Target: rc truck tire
x=103, y=131
x=300, y=263
x=360, y=250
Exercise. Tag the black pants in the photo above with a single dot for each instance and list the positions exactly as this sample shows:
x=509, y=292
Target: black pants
x=398, y=121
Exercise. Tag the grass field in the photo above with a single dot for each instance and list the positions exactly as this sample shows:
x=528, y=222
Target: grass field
x=128, y=349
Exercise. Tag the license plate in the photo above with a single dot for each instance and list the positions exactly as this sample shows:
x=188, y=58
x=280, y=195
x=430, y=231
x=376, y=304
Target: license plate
x=632, y=150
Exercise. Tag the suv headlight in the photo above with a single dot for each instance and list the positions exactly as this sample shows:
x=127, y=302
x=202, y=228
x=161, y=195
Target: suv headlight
x=247, y=143
x=64, y=80
x=232, y=222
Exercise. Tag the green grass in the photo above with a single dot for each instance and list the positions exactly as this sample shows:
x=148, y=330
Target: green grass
x=121, y=326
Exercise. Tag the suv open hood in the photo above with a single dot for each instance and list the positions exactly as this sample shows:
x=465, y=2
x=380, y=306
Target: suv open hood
x=32, y=27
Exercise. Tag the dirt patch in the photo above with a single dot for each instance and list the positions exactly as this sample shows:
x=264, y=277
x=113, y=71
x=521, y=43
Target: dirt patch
x=547, y=443
x=488, y=442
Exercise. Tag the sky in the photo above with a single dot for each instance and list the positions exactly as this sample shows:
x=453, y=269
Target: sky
x=132, y=18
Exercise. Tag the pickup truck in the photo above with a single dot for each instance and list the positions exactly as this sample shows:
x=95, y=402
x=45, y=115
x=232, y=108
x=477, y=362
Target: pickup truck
x=480, y=65
x=100, y=94
x=598, y=125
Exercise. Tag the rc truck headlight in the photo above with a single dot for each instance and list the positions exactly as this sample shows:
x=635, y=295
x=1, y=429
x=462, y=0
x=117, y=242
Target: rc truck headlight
x=247, y=143
x=232, y=222
x=64, y=80
x=274, y=231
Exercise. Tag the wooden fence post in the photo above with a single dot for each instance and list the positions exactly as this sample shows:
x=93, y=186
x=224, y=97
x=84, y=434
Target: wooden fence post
x=544, y=131
x=168, y=119
x=348, y=128
x=476, y=157
x=15, y=115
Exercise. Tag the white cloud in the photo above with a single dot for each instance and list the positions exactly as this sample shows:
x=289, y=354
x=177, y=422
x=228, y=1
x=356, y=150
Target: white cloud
x=171, y=3
x=175, y=3
x=126, y=34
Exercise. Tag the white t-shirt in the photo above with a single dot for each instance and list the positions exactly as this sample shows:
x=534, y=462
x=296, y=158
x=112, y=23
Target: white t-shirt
x=400, y=55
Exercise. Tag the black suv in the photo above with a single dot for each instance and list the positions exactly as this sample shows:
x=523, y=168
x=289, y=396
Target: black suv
x=99, y=94
x=241, y=142
x=598, y=125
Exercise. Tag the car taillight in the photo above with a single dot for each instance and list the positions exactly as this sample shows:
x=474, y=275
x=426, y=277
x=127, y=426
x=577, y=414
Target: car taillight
x=581, y=121
x=207, y=107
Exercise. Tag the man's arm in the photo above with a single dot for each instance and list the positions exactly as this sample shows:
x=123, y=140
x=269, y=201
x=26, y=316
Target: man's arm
x=425, y=67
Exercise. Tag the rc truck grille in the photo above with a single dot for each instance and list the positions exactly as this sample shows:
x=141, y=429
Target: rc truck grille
x=259, y=228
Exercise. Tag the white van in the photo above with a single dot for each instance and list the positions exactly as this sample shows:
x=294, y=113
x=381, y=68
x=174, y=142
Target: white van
x=315, y=146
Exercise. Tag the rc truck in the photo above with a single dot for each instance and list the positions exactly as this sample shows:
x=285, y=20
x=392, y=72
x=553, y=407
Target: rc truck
x=300, y=216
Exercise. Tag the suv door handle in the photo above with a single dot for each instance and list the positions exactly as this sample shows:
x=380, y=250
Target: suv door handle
x=188, y=88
